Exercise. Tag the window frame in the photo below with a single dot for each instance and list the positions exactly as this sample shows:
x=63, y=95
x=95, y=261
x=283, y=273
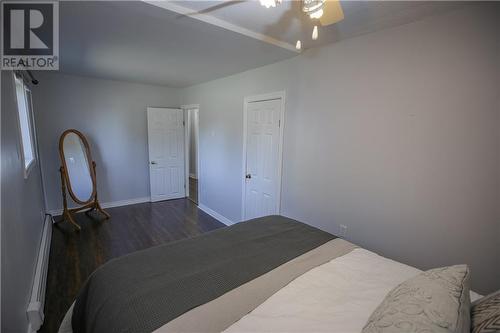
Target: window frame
x=27, y=168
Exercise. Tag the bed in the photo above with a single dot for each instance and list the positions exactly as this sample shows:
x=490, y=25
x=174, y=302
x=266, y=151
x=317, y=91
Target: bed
x=271, y=274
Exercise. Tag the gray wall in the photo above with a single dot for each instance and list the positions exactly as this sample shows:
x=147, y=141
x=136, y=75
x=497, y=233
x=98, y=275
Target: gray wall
x=112, y=115
x=395, y=134
x=221, y=128
x=22, y=217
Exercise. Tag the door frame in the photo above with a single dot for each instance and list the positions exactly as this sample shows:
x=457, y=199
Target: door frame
x=186, y=109
x=260, y=98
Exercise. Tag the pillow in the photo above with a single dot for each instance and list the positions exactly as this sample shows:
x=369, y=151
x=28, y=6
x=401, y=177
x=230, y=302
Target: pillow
x=435, y=301
x=485, y=314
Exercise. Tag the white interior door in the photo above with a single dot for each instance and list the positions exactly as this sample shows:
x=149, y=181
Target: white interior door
x=166, y=153
x=263, y=166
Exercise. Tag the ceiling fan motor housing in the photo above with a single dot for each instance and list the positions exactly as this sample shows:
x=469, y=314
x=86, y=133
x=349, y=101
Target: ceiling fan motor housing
x=312, y=6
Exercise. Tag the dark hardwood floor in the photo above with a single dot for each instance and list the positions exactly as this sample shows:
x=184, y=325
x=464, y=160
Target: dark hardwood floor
x=75, y=255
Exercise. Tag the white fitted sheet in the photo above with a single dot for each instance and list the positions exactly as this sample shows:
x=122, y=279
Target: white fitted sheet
x=338, y=296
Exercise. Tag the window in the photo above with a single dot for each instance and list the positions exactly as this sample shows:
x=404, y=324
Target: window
x=23, y=96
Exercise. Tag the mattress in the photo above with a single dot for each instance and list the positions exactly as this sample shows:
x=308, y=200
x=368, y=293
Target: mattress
x=142, y=291
x=338, y=296
x=269, y=274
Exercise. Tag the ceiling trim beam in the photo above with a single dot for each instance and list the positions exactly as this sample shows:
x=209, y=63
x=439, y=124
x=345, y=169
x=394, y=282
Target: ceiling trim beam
x=168, y=5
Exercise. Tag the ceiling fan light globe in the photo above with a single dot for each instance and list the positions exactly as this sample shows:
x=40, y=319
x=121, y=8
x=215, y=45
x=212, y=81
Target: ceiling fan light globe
x=315, y=33
x=269, y=3
x=317, y=14
x=310, y=6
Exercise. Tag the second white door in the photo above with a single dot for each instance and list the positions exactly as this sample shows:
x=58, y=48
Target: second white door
x=263, y=169
x=166, y=153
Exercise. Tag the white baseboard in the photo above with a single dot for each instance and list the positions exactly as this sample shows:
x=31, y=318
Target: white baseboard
x=35, y=310
x=215, y=215
x=125, y=202
x=57, y=212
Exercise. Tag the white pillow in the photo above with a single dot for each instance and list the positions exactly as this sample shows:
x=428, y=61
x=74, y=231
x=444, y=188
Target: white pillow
x=437, y=300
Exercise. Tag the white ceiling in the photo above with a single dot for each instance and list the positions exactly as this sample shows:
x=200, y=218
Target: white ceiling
x=135, y=41
x=138, y=41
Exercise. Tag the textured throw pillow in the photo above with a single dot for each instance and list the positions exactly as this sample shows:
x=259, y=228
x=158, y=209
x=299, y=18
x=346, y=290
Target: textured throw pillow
x=434, y=301
x=485, y=314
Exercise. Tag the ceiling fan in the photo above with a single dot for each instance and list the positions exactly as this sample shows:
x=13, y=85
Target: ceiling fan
x=326, y=11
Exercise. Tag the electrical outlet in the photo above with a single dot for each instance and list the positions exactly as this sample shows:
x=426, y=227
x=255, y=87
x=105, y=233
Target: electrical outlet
x=342, y=231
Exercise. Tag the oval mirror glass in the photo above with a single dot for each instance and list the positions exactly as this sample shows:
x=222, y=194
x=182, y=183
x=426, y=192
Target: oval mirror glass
x=78, y=167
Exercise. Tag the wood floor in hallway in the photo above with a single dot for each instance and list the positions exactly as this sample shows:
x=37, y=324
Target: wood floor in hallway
x=193, y=189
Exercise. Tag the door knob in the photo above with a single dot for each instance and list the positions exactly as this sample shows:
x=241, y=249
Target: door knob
x=153, y=162
x=248, y=176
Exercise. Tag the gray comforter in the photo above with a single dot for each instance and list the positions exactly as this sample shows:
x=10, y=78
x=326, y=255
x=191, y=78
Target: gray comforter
x=145, y=290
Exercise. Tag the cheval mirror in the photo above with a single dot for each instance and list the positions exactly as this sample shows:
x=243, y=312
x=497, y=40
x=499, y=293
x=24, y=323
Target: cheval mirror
x=78, y=176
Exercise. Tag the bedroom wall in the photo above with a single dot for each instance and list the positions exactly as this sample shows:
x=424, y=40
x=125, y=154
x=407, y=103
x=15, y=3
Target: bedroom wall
x=22, y=217
x=221, y=128
x=112, y=114
x=395, y=134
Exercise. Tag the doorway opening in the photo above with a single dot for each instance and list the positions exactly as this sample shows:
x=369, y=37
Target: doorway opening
x=192, y=154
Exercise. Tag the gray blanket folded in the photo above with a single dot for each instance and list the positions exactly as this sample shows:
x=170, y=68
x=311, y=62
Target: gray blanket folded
x=143, y=291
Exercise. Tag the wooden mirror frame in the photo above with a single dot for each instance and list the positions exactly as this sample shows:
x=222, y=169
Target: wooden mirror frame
x=65, y=167
x=92, y=203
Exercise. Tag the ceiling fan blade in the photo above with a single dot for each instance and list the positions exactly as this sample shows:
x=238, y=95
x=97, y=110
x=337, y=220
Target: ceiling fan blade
x=215, y=7
x=332, y=12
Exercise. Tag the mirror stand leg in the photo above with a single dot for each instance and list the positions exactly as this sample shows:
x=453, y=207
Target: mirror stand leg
x=97, y=206
x=68, y=217
x=66, y=213
x=102, y=211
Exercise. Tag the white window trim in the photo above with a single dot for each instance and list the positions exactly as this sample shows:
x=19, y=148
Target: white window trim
x=26, y=168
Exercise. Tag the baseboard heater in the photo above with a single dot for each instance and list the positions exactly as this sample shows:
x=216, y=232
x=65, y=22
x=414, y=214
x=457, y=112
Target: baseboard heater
x=35, y=307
